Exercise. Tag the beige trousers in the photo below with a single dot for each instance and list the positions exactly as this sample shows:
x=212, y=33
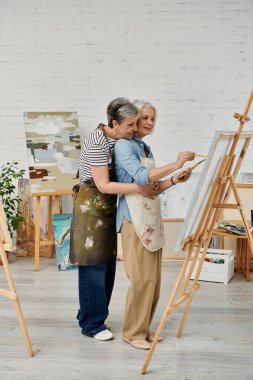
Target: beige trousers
x=143, y=269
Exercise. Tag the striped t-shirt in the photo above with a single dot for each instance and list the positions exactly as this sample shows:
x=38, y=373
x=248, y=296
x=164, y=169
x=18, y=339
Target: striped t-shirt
x=96, y=151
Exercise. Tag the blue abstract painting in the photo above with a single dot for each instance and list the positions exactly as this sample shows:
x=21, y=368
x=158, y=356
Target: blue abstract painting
x=61, y=224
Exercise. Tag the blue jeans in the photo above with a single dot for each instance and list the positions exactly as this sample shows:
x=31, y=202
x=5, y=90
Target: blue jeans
x=95, y=290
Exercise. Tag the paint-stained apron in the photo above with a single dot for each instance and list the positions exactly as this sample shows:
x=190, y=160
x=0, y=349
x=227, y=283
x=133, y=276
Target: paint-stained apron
x=93, y=230
x=146, y=215
x=93, y=238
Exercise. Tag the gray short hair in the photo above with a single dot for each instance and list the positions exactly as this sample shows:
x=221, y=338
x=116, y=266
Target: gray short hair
x=143, y=103
x=119, y=109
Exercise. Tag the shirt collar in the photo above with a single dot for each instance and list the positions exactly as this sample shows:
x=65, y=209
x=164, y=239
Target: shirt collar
x=142, y=144
x=139, y=140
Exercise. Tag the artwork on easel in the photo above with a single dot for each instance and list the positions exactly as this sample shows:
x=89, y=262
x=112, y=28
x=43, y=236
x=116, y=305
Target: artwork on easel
x=176, y=201
x=53, y=148
x=220, y=146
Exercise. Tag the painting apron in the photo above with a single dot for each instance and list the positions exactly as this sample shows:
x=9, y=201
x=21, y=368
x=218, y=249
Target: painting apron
x=146, y=215
x=93, y=237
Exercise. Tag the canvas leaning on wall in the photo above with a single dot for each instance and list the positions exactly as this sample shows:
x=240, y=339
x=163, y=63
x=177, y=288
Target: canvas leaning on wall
x=62, y=224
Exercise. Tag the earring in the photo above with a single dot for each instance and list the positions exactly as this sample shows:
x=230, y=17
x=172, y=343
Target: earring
x=116, y=132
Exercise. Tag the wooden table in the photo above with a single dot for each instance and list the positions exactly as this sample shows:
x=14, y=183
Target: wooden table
x=242, y=246
x=52, y=196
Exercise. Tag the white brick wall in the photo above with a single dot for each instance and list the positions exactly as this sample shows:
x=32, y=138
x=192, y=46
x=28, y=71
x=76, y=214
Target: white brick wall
x=191, y=58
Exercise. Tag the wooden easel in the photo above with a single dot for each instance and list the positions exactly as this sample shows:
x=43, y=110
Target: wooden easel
x=222, y=186
x=6, y=246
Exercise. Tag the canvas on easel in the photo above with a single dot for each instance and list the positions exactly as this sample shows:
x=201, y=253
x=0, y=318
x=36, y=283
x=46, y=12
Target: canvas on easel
x=215, y=184
x=6, y=246
x=53, y=150
x=219, y=148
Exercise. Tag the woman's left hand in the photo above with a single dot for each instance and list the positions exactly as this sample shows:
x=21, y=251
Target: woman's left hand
x=182, y=176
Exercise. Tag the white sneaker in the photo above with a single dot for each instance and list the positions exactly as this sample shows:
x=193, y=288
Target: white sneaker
x=103, y=335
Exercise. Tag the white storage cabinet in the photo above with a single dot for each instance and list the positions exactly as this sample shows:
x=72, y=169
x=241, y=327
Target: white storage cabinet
x=213, y=271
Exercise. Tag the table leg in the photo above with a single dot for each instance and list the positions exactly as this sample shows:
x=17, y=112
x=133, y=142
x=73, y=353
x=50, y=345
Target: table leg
x=243, y=255
x=247, y=261
x=37, y=235
x=49, y=225
x=238, y=255
x=57, y=207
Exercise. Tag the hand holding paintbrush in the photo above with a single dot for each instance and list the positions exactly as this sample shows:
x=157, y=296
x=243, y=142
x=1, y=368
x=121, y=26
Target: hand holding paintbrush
x=186, y=172
x=183, y=157
x=181, y=176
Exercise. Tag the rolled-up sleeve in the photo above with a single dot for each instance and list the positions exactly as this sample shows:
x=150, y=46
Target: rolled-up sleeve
x=127, y=159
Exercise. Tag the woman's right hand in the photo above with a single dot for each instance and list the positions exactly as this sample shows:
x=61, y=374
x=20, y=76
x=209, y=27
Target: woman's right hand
x=150, y=190
x=182, y=176
x=183, y=157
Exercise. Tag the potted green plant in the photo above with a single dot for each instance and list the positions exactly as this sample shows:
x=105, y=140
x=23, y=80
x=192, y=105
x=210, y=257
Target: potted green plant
x=9, y=174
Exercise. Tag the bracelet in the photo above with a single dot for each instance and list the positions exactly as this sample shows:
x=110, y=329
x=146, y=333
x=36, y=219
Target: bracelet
x=171, y=180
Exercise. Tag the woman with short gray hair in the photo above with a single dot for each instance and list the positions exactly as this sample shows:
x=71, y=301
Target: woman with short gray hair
x=93, y=239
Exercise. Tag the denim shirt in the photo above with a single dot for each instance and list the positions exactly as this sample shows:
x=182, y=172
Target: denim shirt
x=128, y=154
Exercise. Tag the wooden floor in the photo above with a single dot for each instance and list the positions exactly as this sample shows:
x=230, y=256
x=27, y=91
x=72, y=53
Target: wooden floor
x=217, y=341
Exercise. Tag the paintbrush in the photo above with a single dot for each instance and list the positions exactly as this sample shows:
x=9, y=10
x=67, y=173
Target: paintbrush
x=191, y=168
